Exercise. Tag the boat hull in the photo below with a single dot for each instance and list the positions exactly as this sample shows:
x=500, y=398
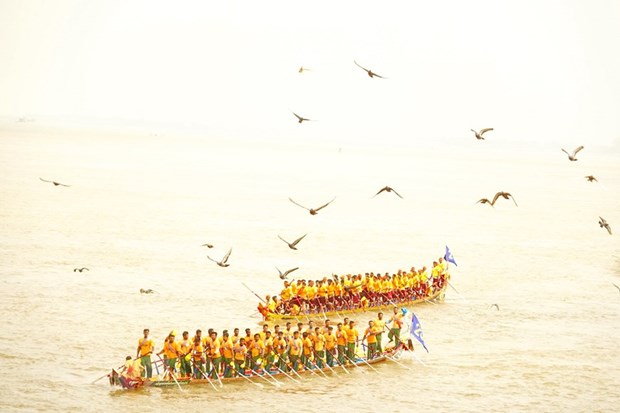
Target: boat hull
x=120, y=381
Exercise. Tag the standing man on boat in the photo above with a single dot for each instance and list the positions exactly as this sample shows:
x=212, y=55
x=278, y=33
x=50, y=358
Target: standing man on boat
x=186, y=349
x=226, y=348
x=197, y=352
x=397, y=323
x=352, y=339
x=145, y=349
x=371, y=339
x=330, y=346
x=214, y=355
x=240, y=351
x=341, y=340
x=296, y=347
x=380, y=324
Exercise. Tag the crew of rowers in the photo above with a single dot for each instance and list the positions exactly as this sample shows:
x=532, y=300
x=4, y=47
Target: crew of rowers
x=356, y=291
x=307, y=346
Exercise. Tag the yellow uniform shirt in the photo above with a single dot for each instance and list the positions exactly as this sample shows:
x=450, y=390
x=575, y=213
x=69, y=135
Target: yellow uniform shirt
x=296, y=346
x=352, y=335
x=330, y=341
x=258, y=348
x=146, y=346
x=171, y=350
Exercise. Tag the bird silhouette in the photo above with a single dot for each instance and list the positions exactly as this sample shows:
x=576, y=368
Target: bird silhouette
x=313, y=211
x=505, y=195
x=149, y=291
x=53, y=182
x=80, y=269
x=482, y=131
x=303, y=69
x=208, y=245
x=293, y=245
x=285, y=273
x=603, y=224
x=387, y=189
x=485, y=201
x=300, y=119
x=369, y=72
x=223, y=262
x=494, y=305
x=616, y=286
x=572, y=157
x=591, y=178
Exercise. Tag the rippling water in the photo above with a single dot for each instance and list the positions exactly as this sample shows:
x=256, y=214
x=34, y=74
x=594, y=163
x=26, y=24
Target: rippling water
x=139, y=209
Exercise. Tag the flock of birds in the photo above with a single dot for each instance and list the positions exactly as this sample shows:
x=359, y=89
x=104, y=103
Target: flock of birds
x=478, y=134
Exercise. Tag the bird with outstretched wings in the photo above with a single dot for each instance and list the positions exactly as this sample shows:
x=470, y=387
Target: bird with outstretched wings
x=313, y=211
x=54, y=182
x=293, y=245
x=369, y=72
x=572, y=156
x=224, y=261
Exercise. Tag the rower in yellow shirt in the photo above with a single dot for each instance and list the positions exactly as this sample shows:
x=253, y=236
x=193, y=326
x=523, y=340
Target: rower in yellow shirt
x=296, y=347
x=226, y=348
x=171, y=351
x=352, y=338
x=370, y=335
x=330, y=345
x=257, y=351
x=197, y=353
x=214, y=354
x=239, y=353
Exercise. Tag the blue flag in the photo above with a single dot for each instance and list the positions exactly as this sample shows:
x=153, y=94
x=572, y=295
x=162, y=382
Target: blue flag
x=449, y=257
x=416, y=331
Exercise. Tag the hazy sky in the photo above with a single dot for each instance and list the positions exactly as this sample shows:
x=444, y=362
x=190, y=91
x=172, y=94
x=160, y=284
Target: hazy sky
x=534, y=70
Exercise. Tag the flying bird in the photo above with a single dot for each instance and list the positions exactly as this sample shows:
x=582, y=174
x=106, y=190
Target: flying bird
x=387, y=189
x=482, y=131
x=616, y=286
x=603, y=224
x=505, y=195
x=149, y=291
x=303, y=69
x=300, y=119
x=285, y=273
x=313, y=211
x=494, y=305
x=293, y=245
x=571, y=157
x=370, y=72
x=80, y=269
x=208, y=245
x=53, y=182
x=485, y=201
x=223, y=262
x=591, y=178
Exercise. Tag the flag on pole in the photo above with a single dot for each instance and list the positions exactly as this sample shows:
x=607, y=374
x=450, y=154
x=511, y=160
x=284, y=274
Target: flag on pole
x=416, y=331
x=449, y=257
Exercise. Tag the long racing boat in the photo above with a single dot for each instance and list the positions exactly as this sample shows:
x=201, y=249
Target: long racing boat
x=322, y=313
x=257, y=377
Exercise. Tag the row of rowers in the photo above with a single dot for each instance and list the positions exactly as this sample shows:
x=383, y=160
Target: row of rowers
x=302, y=347
x=356, y=283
